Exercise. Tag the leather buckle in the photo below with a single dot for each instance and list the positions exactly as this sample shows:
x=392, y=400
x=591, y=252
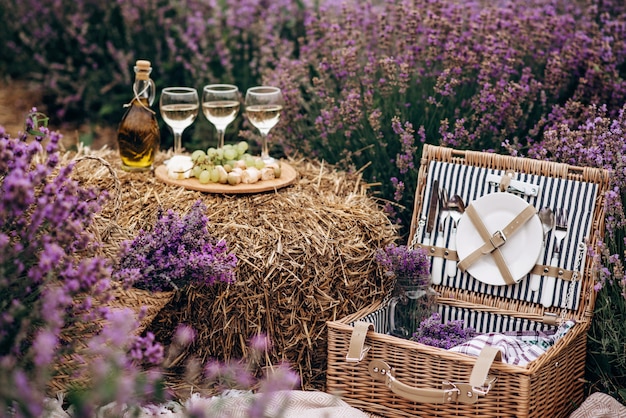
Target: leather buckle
x=364, y=351
x=498, y=239
x=486, y=387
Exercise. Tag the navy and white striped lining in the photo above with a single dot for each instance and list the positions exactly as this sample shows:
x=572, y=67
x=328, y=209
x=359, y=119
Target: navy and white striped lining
x=470, y=182
x=380, y=319
x=481, y=322
x=485, y=322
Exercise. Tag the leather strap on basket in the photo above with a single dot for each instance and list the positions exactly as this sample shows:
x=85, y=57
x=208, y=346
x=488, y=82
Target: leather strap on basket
x=479, y=382
x=358, y=349
x=493, y=242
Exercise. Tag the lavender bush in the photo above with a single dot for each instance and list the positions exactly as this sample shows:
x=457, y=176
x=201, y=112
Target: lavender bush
x=374, y=80
x=366, y=82
x=175, y=253
x=54, y=290
x=50, y=282
x=599, y=142
x=83, y=52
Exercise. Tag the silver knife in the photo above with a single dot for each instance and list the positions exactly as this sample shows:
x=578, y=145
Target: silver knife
x=432, y=213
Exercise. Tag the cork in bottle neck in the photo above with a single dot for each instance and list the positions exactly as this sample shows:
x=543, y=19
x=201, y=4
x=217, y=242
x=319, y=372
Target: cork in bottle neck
x=143, y=69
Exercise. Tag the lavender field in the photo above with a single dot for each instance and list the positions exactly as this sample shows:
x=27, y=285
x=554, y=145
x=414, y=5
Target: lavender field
x=366, y=83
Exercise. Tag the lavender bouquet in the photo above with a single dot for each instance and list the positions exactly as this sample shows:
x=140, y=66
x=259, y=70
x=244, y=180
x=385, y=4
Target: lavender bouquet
x=434, y=332
x=175, y=253
x=410, y=267
x=413, y=299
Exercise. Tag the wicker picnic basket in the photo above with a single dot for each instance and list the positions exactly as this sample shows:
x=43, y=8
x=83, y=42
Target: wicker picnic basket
x=394, y=377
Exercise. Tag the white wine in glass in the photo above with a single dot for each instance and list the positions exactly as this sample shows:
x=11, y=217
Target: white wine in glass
x=220, y=105
x=179, y=109
x=263, y=107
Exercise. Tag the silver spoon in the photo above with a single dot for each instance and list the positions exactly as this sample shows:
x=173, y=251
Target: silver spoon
x=456, y=208
x=546, y=216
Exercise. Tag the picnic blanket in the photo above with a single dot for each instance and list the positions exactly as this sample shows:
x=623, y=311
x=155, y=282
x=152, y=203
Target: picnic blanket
x=237, y=404
x=298, y=404
x=600, y=405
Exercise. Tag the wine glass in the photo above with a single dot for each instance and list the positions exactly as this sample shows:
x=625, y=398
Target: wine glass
x=179, y=108
x=263, y=107
x=220, y=105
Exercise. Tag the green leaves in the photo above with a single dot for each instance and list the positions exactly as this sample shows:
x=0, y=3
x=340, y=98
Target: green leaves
x=35, y=121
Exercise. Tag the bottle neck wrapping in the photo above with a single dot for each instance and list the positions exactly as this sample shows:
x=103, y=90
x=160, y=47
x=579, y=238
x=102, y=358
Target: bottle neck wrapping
x=144, y=91
x=143, y=94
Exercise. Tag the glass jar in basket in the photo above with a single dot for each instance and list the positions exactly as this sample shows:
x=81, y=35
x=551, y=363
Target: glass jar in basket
x=413, y=300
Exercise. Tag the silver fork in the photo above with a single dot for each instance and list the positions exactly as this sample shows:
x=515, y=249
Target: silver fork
x=559, y=232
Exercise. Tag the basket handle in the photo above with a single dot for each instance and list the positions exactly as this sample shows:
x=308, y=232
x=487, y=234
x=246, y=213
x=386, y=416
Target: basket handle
x=479, y=382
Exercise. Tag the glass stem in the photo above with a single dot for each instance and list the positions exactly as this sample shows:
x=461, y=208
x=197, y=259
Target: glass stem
x=220, y=138
x=178, y=145
x=265, y=152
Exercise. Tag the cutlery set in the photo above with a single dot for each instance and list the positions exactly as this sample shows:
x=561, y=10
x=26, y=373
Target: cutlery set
x=559, y=232
x=444, y=213
x=443, y=208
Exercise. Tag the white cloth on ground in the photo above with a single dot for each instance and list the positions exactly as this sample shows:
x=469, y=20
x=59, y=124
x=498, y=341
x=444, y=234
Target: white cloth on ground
x=600, y=405
x=284, y=404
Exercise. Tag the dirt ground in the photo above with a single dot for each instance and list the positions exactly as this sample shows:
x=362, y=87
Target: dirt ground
x=17, y=97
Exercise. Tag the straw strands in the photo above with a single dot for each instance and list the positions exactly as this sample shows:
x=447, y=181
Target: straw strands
x=305, y=256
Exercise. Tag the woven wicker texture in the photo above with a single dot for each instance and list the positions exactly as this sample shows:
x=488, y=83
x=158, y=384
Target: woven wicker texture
x=552, y=389
x=551, y=386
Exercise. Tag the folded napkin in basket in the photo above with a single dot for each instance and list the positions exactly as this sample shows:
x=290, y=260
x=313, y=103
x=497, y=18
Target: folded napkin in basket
x=518, y=348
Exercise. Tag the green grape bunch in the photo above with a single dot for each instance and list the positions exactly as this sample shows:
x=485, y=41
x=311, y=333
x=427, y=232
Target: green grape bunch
x=232, y=165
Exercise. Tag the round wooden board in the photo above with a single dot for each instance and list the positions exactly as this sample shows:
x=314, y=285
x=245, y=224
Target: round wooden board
x=287, y=176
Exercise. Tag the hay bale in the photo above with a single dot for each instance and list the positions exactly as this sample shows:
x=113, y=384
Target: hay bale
x=305, y=256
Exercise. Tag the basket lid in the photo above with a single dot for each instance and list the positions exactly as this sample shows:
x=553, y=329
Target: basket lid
x=495, y=252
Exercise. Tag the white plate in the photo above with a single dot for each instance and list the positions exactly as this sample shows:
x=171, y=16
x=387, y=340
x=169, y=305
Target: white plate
x=520, y=251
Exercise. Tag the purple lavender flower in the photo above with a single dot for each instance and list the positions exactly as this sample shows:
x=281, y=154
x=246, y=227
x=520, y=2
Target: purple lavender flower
x=44, y=346
x=412, y=265
x=177, y=252
x=261, y=343
x=280, y=378
x=50, y=279
x=147, y=349
x=184, y=335
x=432, y=331
x=596, y=141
